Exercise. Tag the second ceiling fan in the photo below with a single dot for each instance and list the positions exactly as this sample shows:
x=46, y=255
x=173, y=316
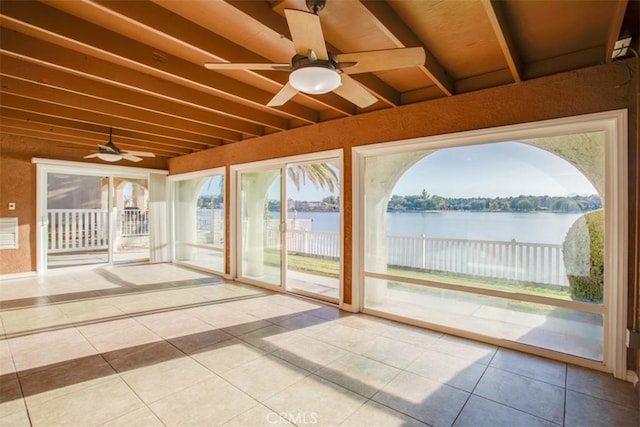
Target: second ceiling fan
x=315, y=71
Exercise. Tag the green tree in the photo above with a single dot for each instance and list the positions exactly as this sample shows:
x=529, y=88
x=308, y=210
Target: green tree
x=583, y=256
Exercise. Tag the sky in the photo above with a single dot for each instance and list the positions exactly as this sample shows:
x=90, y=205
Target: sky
x=494, y=170
x=490, y=170
x=501, y=169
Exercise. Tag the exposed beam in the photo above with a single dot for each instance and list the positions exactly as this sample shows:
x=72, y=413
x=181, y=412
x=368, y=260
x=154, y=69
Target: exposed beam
x=146, y=141
x=54, y=78
x=498, y=21
x=188, y=140
x=614, y=28
x=58, y=27
x=79, y=142
x=61, y=97
x=171, y=33
x=388, y=21
x=51, y=55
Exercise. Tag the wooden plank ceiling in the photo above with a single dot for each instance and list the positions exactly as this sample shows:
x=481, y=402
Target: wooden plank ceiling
x=70, y=70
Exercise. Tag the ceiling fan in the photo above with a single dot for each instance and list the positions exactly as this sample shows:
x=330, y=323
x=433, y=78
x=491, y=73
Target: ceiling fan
x=111, y=153
x=315, y=71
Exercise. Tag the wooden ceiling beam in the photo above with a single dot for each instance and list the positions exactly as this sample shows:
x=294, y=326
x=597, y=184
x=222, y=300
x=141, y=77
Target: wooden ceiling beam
x=388, y=21
x=145, y=141
x=50, y=55
x=498, y=21
x=90, y=139
x=182, y=139
x=615, y=27
x=162, y=29
x=27, y=89
x=35, y=73
x=60, y=28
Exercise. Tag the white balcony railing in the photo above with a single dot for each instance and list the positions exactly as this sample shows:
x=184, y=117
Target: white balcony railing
x=77, y=230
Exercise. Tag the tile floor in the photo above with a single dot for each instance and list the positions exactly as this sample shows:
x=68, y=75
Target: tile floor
x=149, y=345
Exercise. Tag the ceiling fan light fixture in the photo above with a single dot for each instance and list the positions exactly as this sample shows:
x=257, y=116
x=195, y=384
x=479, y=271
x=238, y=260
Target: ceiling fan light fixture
x=315, y=80
x=109, y=157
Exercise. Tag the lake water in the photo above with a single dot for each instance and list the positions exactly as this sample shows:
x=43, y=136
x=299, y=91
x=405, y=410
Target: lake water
x=535, y=227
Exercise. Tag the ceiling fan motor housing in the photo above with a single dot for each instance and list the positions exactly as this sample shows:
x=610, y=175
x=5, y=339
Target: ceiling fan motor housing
x=313, y=77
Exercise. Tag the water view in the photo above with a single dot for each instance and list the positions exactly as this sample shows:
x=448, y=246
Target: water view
x=534, y=227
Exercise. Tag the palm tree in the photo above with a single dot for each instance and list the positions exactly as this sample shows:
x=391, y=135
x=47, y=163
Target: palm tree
x=321, y=175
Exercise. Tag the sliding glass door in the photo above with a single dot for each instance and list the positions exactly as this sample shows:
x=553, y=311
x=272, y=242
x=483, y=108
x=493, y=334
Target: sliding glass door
x=92, y=215
x=261, y=227
x=199, y=221
x=289, y=226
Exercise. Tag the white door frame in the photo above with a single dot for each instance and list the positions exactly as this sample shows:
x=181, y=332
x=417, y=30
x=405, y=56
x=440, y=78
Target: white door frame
x=278, y=163
x=46, y=166
x=614, y=125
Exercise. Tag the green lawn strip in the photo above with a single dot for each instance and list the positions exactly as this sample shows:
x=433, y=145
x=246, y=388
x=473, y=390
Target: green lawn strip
x=330, y=268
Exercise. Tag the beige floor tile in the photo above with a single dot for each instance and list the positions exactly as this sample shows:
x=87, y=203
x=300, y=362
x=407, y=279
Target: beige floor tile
x=226, y=355
x=447, y=369
x=531, y=366
x=14, y=414
x=308, y=353
x=412, y=335
x=480, y=412
x=90, y=311
x=257, y=416
x=20, y=289
x=117, y=335
x=305, y=324
x=210, y=402
x=464, y=348
x=64, y=378
x=344, y=336
x=537, y=398
x=141, y=356
x=142, y=417
x=154, y=382
x=169, y=324
x=61, y=346
x=583, y=410
x=315, y=401
x=429, y=401
x=395, y=353
x=269, y=338
x=602, y=386
x=264, y=377
x=372, y=414
x=33, y=319
x=359, y=374
x=6, y=361
x=92, y=405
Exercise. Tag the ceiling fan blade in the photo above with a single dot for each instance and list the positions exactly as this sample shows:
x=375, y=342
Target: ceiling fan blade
x=246, y=66
x=380, y=60
x=130, y=157
x=91, y=156
x=286, y=93
x=109, y=148
x=353, y=91
x=306, y=33
x=139, y=153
